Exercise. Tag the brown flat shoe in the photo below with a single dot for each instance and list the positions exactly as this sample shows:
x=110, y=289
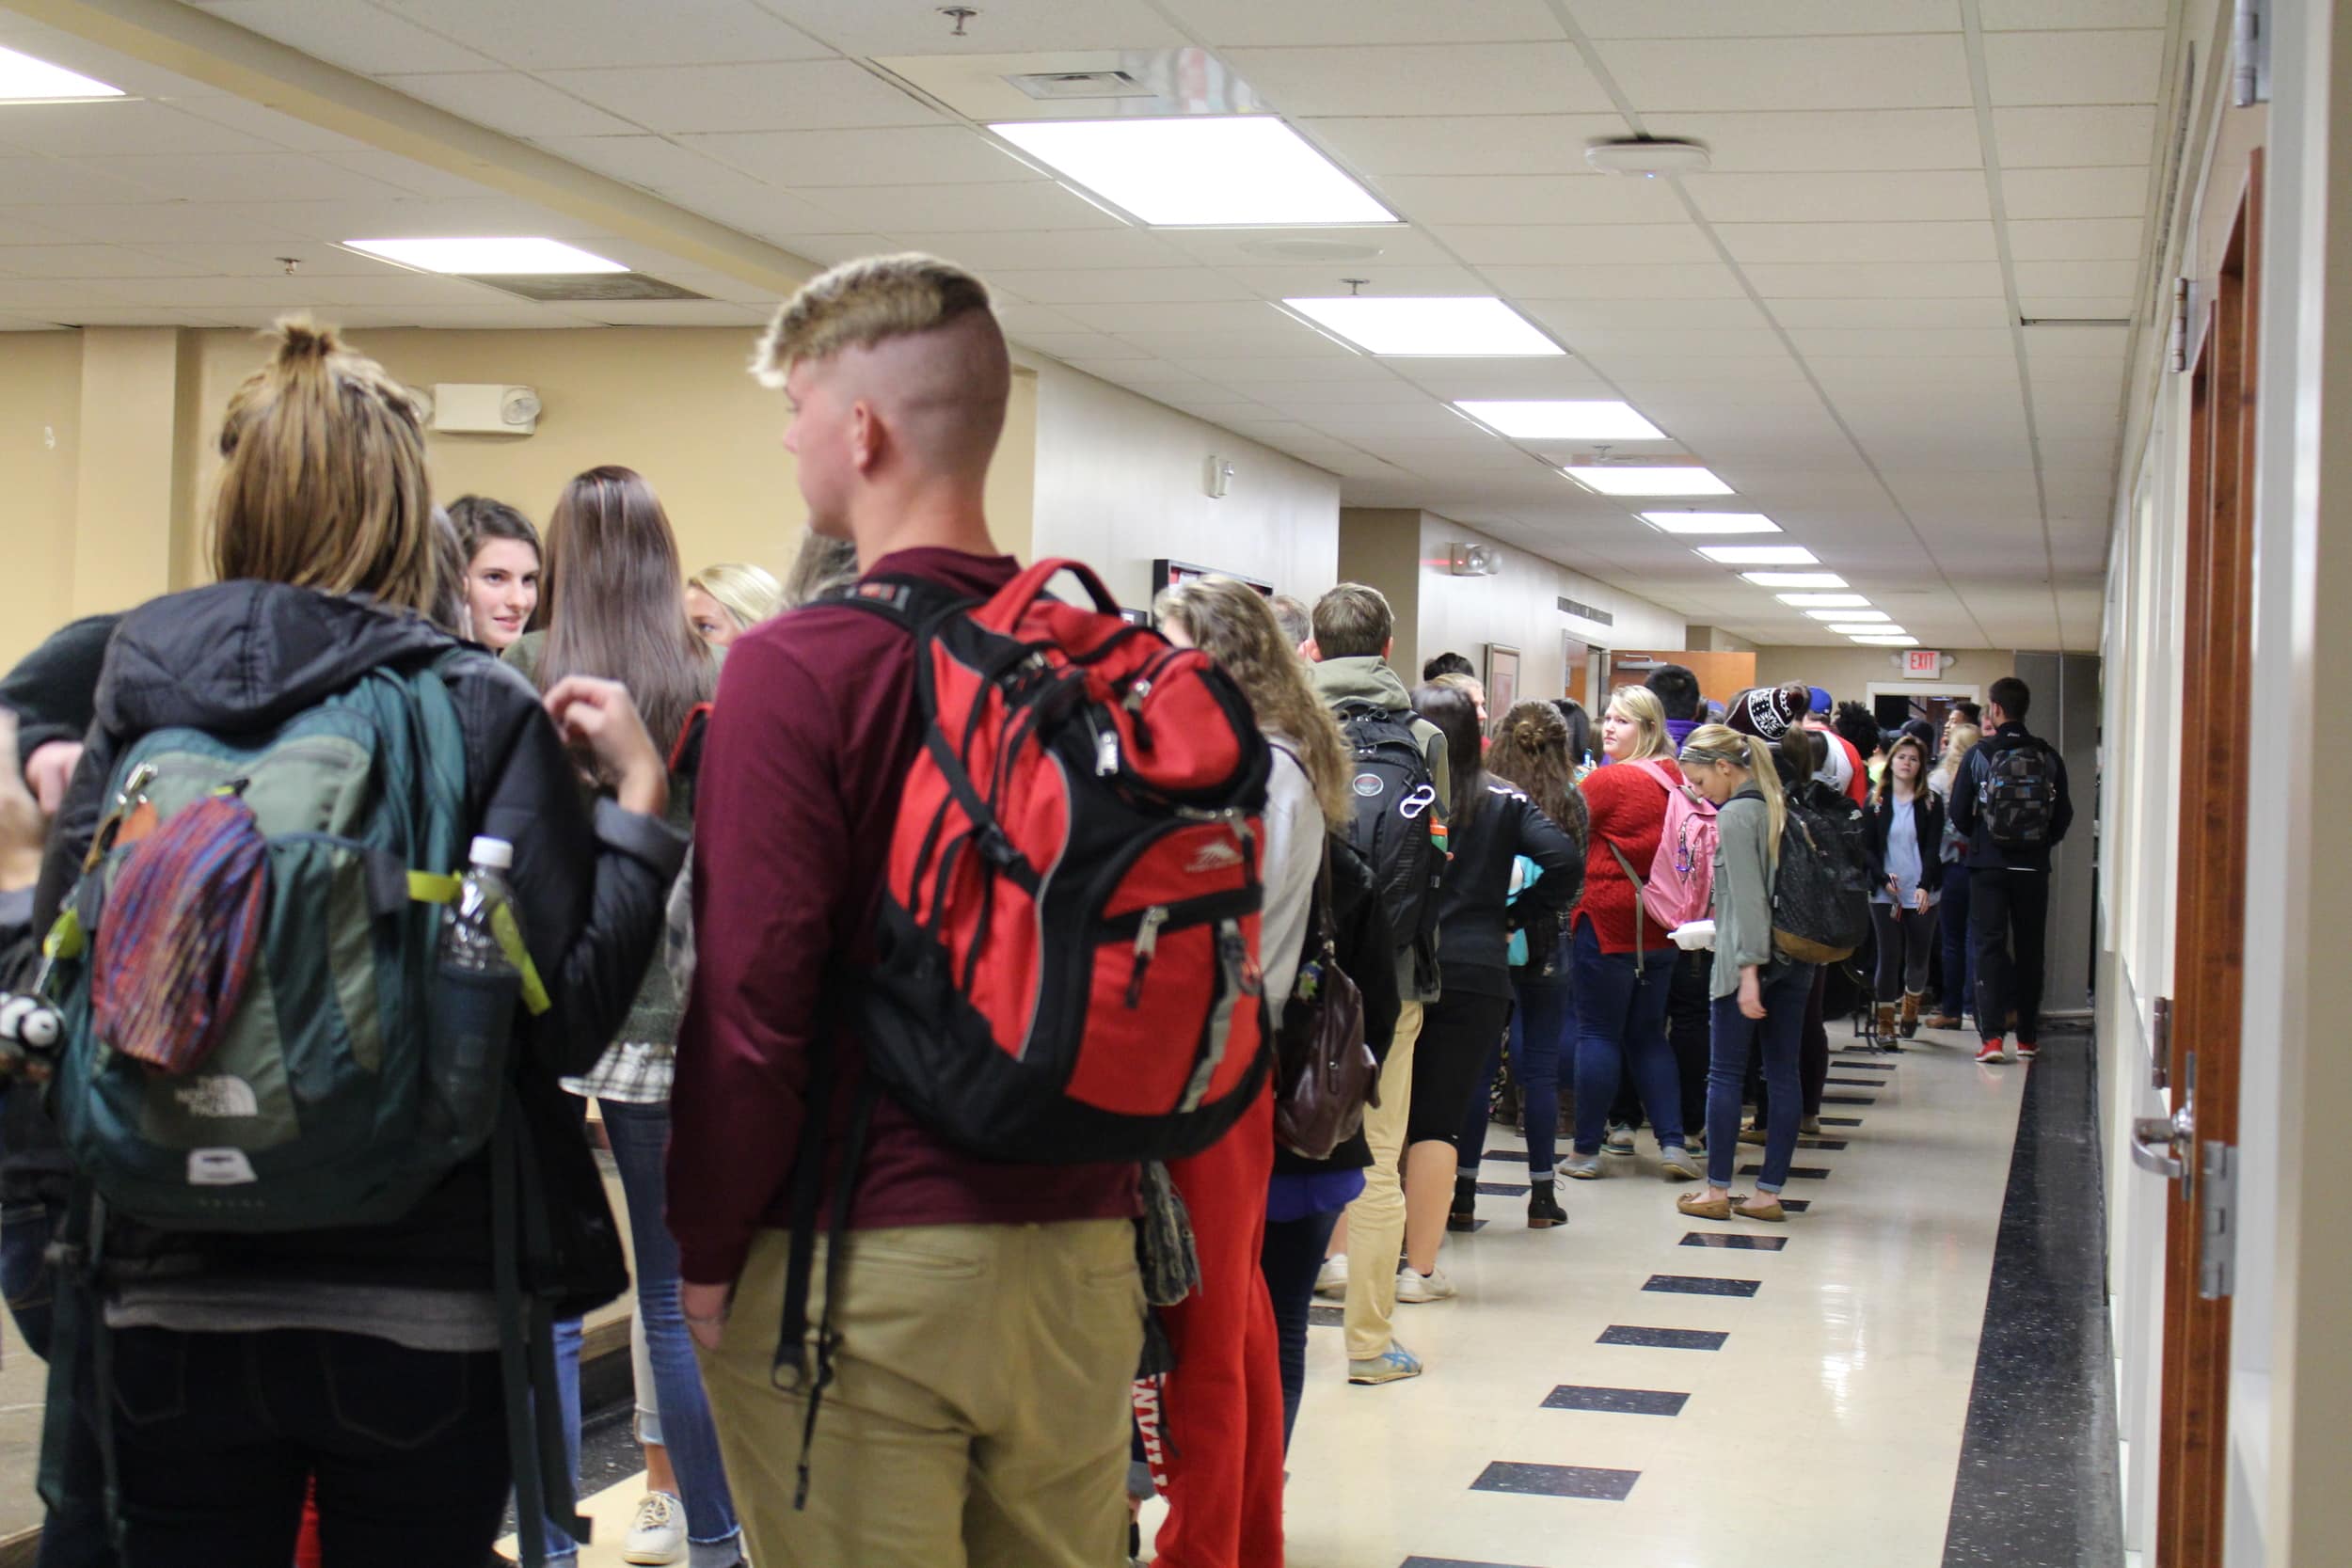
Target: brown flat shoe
x=1752, y=1136
x=1698, y=1206
x=1765, y=1209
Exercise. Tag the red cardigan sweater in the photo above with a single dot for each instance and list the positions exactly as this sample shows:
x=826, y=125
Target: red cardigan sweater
x=1627, y=805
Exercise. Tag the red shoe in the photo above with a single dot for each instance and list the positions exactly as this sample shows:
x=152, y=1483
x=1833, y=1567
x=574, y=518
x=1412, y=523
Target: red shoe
x=1990, y=1052
x=2027, y=1050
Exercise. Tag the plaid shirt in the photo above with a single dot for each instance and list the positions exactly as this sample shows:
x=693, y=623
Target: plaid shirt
x=631, y=1073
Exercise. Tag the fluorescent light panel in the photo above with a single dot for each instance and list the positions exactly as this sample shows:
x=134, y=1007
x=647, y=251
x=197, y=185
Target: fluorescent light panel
x=1842, y=601
x=1200, y=169
x=1866, y=629
x=1467, y=326
x=1794, y=579
x=1887, y=641
x=26, y=80
x=485, y=256
x=1848, y=614
x=1710, y=522
x=1759, y=555
x=1603, y=421
x=1629, y=479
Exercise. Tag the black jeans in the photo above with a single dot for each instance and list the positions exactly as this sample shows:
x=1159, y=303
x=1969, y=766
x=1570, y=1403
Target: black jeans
x=217, y=1434
x=1690, y=1030
x=74, y=1533
x=1906, y=938
x=1288, y=1258
x=2007, y=912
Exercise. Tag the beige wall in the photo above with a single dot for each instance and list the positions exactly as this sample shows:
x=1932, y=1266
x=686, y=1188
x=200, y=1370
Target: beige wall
x=41, y=423
x=1849, y=672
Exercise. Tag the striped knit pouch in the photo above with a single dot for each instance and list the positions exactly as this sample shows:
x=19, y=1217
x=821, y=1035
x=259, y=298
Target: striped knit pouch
x=176, y=944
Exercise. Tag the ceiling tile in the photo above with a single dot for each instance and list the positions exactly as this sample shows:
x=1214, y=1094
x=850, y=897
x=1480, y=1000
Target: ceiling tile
x=1904, y=71
x=2076, y=68
x=1633, y=315
x=1278, y=341
x=1032, y=205
x=804, y=95
x=2074, y=193
x=1391, y=244
x=1832, y=140
x=1858, y=242
x=1529, y=251
x=1379, y=280
x=1979, y=313
x=1464, y=144
x=1728, y=371
x=279, y=130
x=1556, y=199
x=2077, y=136
x=1714, y=18
x=45, y=182
x=2077, y=278
x=114, y=126
x=2002, y=16
x=885, y=155
x=1881, y=198
x=363, y=39
x=510, y=102
x=1991, y=343
x=143, y=315
x=244, y=176
x=166, y=223
x=1079, y=286
x=623, y=33
x=2076, y=239
x=863, y=27
x=670, y=313
x=1606, y=344
x=1436, y=79
x=2074, y=307
x=1231, y=22
x=405, y=174
x=18, y=227
x=1698, y=280
x=992, y=250
x=704, y=184
x=1885, y=280
x=1208, y=317
x=1504, y=378
x=1253, y=371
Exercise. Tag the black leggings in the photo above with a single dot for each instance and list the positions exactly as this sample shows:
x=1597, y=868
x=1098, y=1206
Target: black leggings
x=1459, y=1032
x=1906, y=941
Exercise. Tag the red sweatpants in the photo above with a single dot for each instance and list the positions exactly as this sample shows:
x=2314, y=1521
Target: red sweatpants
x=1215, y=1433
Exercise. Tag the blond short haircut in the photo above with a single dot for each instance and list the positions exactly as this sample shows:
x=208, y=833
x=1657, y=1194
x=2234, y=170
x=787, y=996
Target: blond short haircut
x=1354, y=621
x=859, y=304
x=323, y=480
x=749, y=594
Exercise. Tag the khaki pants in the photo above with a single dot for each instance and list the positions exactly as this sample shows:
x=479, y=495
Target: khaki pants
x=980, y=1409
x=1375, y=1220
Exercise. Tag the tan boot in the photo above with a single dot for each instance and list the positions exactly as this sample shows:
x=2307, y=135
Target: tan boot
x=1886, y=1020
x=1911, y=1014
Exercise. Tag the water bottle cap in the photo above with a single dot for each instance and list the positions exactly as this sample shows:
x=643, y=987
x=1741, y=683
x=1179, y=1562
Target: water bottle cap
x=495, y=854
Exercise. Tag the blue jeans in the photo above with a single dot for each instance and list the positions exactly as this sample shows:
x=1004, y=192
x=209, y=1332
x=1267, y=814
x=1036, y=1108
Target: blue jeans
x=1787, y=988
x=1541, y=1023
x=74, y=1535
x=1960, y=968
x=1290, y=1257
x=1621, y=1019
x=640, y=1135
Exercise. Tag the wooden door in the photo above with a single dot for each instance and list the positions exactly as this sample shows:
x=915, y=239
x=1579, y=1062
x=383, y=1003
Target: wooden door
x=2210, y=908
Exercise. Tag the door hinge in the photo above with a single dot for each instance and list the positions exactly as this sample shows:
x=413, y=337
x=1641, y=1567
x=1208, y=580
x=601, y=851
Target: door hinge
x=2250, y=65
x=2216, y=1248
x=2160, y=1045
x=2182, y=287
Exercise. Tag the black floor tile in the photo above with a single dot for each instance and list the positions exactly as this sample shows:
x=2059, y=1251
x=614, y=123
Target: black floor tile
x=1557, y=1481
x=1858, y=1083
x=1841, y=1121
x=1827, y=1146
x=1800, y=1173
x=1849, y=1099
x=1451, y=1562
x=1698, y=1285
x=1734, y=1241
x=1320, y=1316
x=1662, y=1339
x=1504, y=1189
x=1796, y=1205
x=1617, y=1401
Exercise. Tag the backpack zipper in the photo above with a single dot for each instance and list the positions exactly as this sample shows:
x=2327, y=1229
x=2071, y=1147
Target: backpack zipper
x=1147, y=943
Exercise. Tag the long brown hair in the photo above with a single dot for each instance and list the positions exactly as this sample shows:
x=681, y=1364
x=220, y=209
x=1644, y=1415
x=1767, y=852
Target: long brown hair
x=1886, y=777
x=1449, y=708
x=615, y=608
x=1233, y=623
x=322, y=480
x=1532, y=751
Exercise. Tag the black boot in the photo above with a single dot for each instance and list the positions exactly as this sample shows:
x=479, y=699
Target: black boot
x=1464, y=1216
x=1543, y=1210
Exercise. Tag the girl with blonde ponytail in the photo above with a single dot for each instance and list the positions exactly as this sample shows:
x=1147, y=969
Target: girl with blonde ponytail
x=1760, y=997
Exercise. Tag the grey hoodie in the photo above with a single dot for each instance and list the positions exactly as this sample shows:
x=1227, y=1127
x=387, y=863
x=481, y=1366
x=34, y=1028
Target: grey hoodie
x=1367, y=679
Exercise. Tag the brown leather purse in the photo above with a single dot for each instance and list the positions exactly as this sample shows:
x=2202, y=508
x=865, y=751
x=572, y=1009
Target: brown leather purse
x=1325, y=1075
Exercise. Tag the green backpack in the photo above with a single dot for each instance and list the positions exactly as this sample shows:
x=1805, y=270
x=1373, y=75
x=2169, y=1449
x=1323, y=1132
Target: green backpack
x=350, y=1079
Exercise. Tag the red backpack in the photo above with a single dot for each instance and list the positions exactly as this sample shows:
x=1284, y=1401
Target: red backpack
x=1069, y=942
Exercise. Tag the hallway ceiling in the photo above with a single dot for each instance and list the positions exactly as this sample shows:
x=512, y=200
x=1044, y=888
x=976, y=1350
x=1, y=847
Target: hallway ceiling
x=1830, y=318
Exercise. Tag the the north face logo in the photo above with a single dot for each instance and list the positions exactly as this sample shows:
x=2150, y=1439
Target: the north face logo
x=218, y=1096
x=1218, y=856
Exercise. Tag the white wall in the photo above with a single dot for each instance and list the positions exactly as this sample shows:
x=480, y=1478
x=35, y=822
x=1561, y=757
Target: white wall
x=1118, y=484
x=1519, y=607
x=1849, y=672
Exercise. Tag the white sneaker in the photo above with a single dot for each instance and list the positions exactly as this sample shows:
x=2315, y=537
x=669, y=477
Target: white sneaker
x=657, y=1536
x=1414, y=1287
x=1331, y=1281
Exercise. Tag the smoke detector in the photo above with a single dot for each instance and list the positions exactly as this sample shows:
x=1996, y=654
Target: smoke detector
x=1648, y=156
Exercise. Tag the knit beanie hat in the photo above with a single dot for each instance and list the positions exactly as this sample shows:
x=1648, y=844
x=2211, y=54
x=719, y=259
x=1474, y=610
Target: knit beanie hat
x=1765, y=713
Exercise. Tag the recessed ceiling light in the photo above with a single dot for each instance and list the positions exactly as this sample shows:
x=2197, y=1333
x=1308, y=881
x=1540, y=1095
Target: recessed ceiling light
x=484, y=257
x=1710, y=522
x=1200, y=169
x=1887, y=641
x=1631, y=479
x=1842, y=601
x=1648, y=156
x=1759, y=555
x=1848, y=614
x=1794, y=579
x=1866, y=630
x=1470, y=327
x=26, y=80
x=1586, y=421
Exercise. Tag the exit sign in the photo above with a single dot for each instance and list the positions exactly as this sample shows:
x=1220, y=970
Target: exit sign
x=1922, y=664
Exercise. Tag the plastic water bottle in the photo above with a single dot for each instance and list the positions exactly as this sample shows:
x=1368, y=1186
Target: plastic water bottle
x=474, y=1010
x=468, y=944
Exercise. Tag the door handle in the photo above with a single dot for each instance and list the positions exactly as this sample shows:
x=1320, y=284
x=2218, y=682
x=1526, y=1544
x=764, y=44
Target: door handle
x=2161, y=1144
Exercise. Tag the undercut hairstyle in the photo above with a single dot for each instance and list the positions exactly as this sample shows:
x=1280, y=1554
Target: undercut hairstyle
x=1448, y=664
x=1678, y=691
x=1456, y=717
x=322, y=480
x=1354, y=621
x=1297, y=621
x=865, y=301
x=2012, y=697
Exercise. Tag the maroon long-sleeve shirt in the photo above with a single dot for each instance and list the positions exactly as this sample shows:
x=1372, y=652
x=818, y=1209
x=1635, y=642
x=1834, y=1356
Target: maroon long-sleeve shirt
x=815, y=728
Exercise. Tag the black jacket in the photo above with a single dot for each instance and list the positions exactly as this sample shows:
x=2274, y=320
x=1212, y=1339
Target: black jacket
x=1475, y=916
x=1927, y=820
x=241, y=656
x=1366, y=948
x=1968, y=816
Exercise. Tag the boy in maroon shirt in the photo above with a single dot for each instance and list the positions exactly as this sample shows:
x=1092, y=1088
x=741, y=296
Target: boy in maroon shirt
x=989, y=1316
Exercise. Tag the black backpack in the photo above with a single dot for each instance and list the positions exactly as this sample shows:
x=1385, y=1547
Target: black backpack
x=1396, y=802
x=2019, y=795
x=1821, y=887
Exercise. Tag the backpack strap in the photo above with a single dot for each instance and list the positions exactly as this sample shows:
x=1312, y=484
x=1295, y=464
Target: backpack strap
x=813, y=1375
x=1640, y=887
x=914, y=603
x=534, y=1419
x=686, y=753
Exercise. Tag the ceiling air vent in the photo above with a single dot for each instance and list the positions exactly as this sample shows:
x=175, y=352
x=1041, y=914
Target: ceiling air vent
x=597, y=287
x=1057, y=85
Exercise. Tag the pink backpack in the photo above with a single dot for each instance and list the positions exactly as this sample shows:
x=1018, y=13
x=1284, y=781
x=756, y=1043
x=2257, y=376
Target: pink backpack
x=1680, y=887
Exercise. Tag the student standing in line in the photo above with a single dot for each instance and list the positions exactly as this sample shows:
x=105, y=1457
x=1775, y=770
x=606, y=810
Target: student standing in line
x=502, y=570
x=986, y=1341
x=1906, y=840
x=1625, y=961
x=1689, y=1011
x=614, y=613
x=1491, y=822
x=723, y=602
x=366, y=1356
x=1958, y=965
x=1759, y=996
x=2009, y=798
x=1221, y=1412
